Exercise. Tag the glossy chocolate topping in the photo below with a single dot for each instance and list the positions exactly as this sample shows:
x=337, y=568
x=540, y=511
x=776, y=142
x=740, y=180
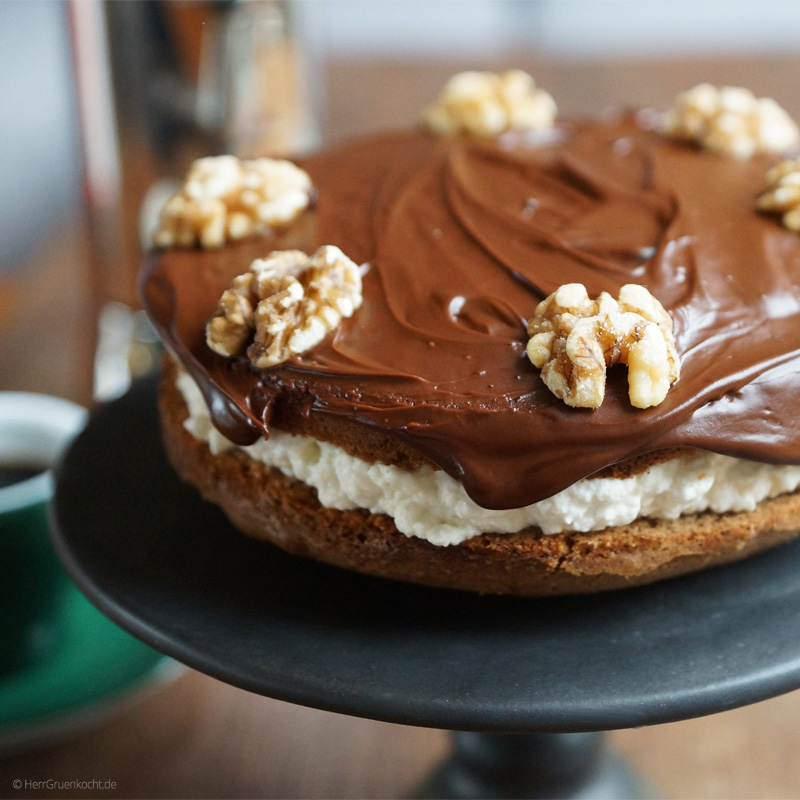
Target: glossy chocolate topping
x=460, y=239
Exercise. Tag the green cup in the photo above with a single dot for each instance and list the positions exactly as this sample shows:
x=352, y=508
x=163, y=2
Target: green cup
x=34, y=431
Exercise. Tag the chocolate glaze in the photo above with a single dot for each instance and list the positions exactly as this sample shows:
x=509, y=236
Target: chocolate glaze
x=460, y=239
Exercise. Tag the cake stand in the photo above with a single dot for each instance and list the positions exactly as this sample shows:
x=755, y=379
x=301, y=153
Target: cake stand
x=528, y=685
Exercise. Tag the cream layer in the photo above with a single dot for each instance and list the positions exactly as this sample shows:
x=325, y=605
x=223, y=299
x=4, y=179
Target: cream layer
x=431, y=505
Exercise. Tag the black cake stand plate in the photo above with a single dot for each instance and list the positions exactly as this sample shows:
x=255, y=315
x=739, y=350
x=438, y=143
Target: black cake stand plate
x=525, y=682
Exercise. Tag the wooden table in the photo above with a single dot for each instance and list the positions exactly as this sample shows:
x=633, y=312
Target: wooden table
x=200, y=738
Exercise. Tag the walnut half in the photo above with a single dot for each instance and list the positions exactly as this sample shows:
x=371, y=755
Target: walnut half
x=730, y=120
x=573, y=340
x=284, y=305
x=782, y=195
x=224, y=198
x=487, y=103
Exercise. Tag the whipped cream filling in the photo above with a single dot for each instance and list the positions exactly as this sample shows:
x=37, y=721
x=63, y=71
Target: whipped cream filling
x=433, y=506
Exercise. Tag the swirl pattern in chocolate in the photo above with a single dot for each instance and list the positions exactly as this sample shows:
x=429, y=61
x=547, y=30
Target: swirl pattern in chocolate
x=460, y=239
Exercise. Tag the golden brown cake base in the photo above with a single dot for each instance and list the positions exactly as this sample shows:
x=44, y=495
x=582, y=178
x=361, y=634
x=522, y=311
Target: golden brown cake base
x=264, y=503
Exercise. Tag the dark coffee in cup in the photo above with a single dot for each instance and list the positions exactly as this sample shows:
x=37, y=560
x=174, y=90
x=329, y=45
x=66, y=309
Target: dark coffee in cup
x=34, y=430
x=9, y=475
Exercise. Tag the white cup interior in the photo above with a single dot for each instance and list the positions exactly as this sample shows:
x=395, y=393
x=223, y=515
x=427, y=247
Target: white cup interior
x=34, y=431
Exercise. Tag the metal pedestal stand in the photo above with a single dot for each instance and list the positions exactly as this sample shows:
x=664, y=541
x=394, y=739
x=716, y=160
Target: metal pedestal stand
x=532, y=765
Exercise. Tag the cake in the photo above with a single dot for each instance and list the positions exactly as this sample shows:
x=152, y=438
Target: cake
x=368, y=359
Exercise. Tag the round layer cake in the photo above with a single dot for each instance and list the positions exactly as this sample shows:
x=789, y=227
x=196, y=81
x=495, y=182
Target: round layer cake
x=417, y=441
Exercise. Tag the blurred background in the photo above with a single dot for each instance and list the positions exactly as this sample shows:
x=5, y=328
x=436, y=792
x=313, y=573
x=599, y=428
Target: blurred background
x=39, y=136
x=84, y=148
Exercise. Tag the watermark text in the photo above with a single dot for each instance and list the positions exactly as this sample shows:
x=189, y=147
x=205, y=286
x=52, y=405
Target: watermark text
x=54, y=784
